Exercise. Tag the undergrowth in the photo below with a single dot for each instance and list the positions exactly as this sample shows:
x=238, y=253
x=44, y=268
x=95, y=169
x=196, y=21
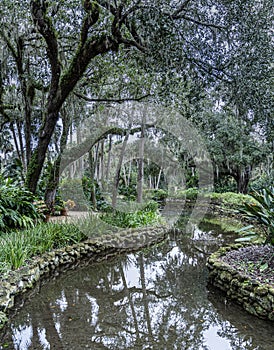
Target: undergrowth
x=18, y=246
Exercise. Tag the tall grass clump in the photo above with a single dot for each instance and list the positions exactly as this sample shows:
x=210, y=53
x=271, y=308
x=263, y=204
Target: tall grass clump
x=19, y=246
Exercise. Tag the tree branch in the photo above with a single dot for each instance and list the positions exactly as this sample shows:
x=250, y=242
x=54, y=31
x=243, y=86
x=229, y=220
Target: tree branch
x=74, y=153
x=90, y=19
x=132, y=43
x=202, y=24
x=45, y=28
x=82, y=58
x=181, y=8
x=117, y=100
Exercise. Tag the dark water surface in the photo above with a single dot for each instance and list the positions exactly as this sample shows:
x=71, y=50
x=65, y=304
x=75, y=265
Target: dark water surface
x=154, y=299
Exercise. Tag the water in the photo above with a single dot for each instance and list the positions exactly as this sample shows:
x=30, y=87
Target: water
x=154, y=299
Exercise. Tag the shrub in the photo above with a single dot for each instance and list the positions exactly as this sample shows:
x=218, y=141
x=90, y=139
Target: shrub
x=262, y=210
x=190, y=193
x=231, y=199
x=16, y=206
x=148, y=215
x=159, y=195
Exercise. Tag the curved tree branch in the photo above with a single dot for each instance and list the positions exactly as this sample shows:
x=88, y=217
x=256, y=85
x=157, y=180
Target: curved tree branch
x=45, y=28
x=117, y=100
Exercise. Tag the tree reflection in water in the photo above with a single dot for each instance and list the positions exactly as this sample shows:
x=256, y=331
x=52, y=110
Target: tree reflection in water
x=155, y=299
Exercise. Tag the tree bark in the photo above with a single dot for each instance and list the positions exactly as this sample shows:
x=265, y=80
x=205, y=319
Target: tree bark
x=141, y=166
x=118, y=170
x=242, y=179
x=37, y=160
x=62, y=85
x=92, y=176
x=54, y=177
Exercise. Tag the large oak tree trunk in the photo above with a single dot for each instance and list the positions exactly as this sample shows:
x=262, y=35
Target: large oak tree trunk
x=37, y=160
x=62, y=82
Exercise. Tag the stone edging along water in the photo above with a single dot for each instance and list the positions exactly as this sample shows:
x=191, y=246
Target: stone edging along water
x=93, y=249
x=255, y=297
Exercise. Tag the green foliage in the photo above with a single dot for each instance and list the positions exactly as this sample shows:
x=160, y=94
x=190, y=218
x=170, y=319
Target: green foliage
x=230, y=199
x=261, y=210
x=148, y=215
x=18, y=246
x=89, y=186
x=158, y=196
x=190, y=193
x=16, y=206
x=225, y=184
x=14, y=169
x=263, y=181
x=128, y=192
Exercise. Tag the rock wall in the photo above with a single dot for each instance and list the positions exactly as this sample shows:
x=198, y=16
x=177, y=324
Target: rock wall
x=255, y=297
x=92, y=250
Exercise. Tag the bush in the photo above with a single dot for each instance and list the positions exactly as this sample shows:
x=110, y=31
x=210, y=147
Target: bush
x=263, y=181
x=128, y=192
x=230, y=199
x=158, y=196
x=225, y=184
x=16, y=206
x=190, y=193
x=262, y=210
x=148, y=215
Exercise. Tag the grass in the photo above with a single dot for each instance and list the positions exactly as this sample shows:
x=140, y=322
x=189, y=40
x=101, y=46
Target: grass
x=18, y=246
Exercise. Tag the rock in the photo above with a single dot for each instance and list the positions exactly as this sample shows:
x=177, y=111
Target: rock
x=261, y=290
x=255, y=297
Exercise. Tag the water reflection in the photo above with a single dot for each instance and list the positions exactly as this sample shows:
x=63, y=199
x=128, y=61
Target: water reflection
x=156, y=299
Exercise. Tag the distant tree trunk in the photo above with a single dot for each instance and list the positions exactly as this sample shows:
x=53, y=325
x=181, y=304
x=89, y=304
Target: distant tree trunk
x=118, y=170
x=15, y=141
x=140, y=179
x=109, y=157
x=20, y=138
x=242, y=180
x=158, y=179
x=92, y=178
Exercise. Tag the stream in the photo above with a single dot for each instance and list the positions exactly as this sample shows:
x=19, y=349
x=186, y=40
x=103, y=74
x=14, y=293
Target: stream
x=157, y=298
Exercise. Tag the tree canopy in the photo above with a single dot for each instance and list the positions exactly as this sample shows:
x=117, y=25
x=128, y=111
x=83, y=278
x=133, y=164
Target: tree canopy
x=60, y=60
